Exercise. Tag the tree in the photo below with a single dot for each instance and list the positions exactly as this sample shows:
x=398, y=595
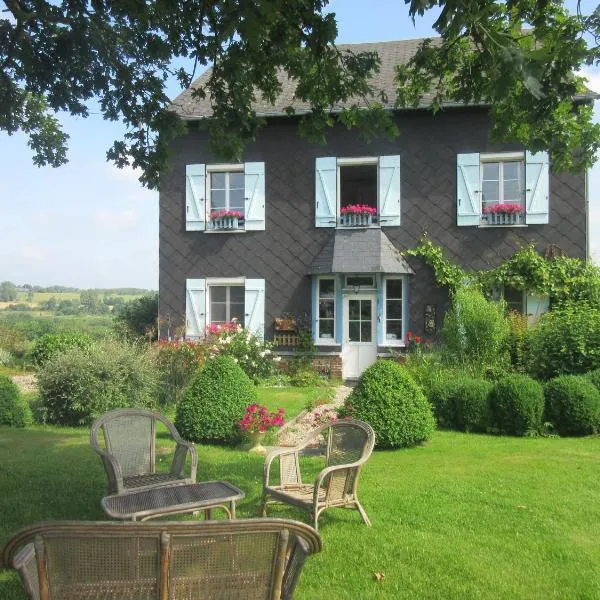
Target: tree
x=8, y=291
x=60, y=56
x=138, y=318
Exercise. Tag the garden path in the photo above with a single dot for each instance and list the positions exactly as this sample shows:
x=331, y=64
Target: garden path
x=296, y=431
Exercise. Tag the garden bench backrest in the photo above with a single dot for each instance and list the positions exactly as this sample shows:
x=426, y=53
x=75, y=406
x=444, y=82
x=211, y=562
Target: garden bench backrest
x=254, y=559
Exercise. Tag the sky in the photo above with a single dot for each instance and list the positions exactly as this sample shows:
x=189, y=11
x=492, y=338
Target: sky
x=89, y=224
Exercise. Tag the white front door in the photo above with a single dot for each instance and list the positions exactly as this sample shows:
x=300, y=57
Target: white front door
x=359, y=348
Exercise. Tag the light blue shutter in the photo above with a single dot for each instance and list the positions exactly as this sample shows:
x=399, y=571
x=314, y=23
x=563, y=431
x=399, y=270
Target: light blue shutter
x=389, y=190
x=326, y=192
x=314, y=294
x=537, y=187
x=535, y=307
x=195, y=308
x=254, y=201
x=339, y=309
x=254, y=308
x=381, y=325
x=195, y=195
x=468, y=205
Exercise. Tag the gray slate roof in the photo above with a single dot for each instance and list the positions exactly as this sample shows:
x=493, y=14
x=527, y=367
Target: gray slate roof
x=390, y=55
x=359, y=251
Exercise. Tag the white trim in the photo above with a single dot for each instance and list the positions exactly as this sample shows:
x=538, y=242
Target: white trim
x=502, y=156
x=225, y=281
x=319, y=340
x=233, y=167
x=400, y=342
x=360, y=160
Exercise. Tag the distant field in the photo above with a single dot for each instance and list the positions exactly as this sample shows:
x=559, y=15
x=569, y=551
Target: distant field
x=39, y=297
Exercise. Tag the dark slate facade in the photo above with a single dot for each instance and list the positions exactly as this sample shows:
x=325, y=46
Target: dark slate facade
x=282, y=255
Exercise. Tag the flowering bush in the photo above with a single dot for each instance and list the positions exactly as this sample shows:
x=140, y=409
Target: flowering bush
x=258, y=419
x=508, y=208
x=358, y=209
x=177, y=362
x=252, y=354
x=221, y=214
x=416, y=344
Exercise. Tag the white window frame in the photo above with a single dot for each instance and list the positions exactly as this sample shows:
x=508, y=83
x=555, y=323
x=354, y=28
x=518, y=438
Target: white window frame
x=354, y=162
x=327, y=341
x=220, y=168
x=401, y=341
x=501, y=158
x=222, y=282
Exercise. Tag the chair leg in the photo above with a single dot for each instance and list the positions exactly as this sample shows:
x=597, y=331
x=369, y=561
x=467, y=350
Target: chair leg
x=363, y=513
x=315, y=516
x=263, y=506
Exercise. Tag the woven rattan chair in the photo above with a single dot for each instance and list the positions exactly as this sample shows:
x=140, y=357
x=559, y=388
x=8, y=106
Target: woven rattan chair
x=349, y=445
x=129, y=452
x=254, y=559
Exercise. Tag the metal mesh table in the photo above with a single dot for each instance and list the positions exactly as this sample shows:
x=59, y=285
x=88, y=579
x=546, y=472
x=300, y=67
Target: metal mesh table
x=172, y=500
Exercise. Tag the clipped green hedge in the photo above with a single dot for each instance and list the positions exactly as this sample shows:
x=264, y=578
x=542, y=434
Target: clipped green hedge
x=472, y=405
x=441, y=393
x=389, y=399
x=14, y=410
x=517, y=405
x=573, y=405
x=594, y=377
x=214, y=402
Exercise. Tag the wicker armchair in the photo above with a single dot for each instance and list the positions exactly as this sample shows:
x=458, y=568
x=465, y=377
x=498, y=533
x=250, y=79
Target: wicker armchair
x=349, y=445
x=129, y=452
x=253, y=559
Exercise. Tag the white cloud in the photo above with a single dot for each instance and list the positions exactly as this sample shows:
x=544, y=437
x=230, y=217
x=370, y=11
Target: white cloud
x=115, y=221
x=31, y=254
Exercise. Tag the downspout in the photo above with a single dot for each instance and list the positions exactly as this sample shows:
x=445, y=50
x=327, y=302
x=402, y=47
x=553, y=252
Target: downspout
x=587, y=217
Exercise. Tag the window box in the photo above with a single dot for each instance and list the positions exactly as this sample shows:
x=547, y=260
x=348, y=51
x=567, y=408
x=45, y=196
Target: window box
x=503, y=218
x=356, y=219
x=223, y=221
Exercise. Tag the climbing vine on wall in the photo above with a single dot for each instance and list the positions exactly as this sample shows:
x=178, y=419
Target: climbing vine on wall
x=562, y=278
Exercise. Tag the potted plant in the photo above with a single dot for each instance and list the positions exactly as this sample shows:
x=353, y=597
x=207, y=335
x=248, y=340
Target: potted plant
x=357, y=215
x=509, y=213
x=226, y=219
x=256, y=422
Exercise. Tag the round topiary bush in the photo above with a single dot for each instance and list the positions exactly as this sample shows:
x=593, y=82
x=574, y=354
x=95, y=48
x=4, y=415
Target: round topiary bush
x=594, y=377
x=14, y=410
x=78, y=385
x=573, y=405
x=50, y=344
x=472, y=405
x=214, y=402
x=389, y=399
x=517, y=405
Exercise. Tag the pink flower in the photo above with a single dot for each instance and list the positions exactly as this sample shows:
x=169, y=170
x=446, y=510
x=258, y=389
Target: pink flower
x=220, y=214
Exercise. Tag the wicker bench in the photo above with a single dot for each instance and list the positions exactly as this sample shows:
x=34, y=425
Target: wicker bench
x=173, y=500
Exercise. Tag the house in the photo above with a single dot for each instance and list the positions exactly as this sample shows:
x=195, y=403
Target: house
x=301, y=228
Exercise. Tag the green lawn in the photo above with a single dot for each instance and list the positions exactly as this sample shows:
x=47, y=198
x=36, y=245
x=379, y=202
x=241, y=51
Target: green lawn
x=464, y=516
x=292, y=399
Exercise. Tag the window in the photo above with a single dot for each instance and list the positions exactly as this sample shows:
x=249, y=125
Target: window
x=223, y=198
x=509, y=188
x=326, y=320
x=393, y=310
x=226, y=304
x=514, y=299
x=360, y=281
x=357, y=192
x=227, y=193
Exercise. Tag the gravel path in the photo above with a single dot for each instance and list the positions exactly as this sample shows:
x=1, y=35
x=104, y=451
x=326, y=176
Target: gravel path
x=26, y=383
x=294, y=433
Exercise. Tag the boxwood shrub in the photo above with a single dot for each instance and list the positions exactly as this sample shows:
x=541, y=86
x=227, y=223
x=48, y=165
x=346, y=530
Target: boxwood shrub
x=441, y=394
x=472, y=404
x=389, y=399
x=14, y=410
x=78, y=385
x=594, y=377
x=215, y=401
x=573, y=405
x=517, y=405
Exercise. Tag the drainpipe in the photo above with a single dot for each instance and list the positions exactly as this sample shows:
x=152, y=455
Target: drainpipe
x=587, y=217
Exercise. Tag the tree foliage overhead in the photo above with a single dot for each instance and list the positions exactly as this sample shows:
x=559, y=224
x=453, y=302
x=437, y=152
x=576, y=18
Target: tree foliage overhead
x=64, y=55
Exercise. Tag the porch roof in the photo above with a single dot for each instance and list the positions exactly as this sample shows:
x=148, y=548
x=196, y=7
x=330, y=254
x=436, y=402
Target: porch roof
x=360, y=251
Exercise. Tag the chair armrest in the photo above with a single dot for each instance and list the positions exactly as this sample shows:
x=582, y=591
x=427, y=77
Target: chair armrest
x=181, y=451
x=113, y=471
x=272, y=455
